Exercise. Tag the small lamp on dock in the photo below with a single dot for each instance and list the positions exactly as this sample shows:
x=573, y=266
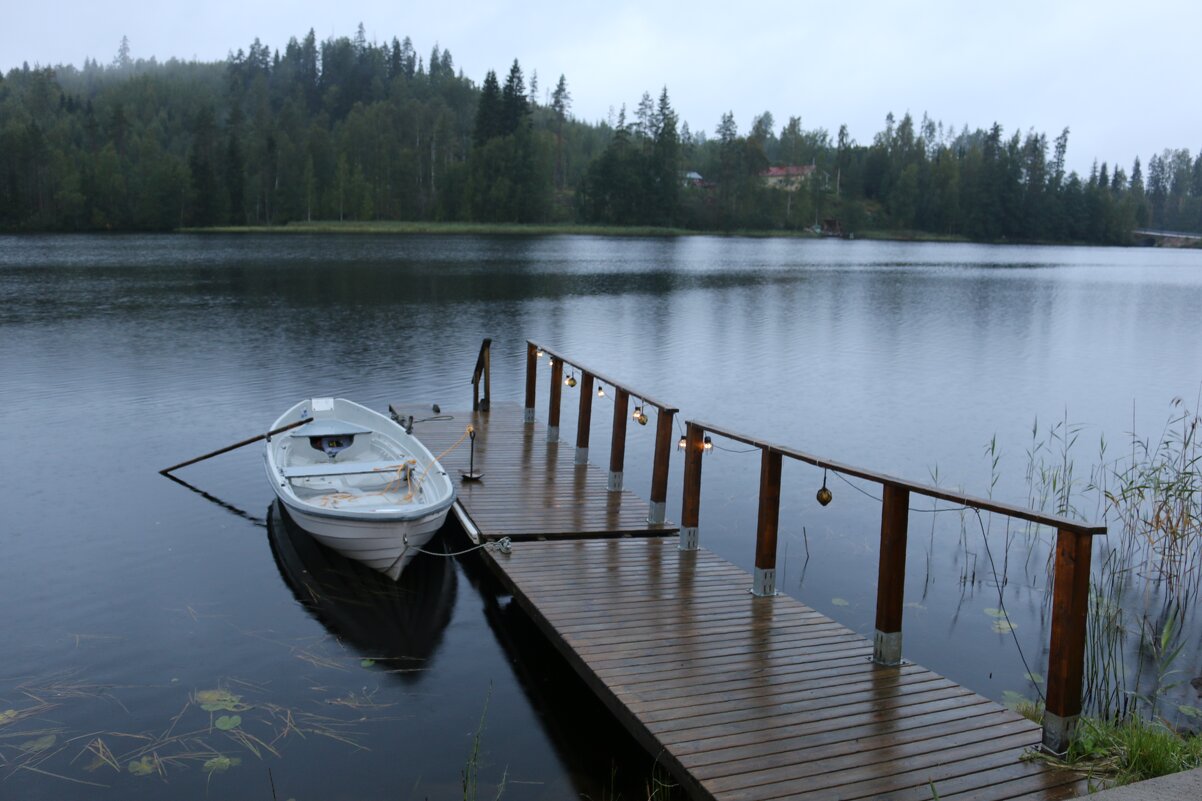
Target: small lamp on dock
x=470, y=474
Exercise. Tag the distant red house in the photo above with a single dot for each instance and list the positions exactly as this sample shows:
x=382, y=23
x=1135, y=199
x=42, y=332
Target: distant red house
x=789, y=177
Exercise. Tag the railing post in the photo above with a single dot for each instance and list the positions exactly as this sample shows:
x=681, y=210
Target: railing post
x=891, y=576
x=585, y=419
x=766, y=525
x=1066, y=657
x=659, y=468
x=531, y=379
x=553, y=403
x=617, y=449
x=690, y=504
x=487, y=376
x=483, y=368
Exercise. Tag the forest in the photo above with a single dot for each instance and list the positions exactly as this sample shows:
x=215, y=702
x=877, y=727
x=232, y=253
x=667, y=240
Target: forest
x=346, y=129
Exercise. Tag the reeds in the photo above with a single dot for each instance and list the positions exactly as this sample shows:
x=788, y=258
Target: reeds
x=1147, y=570
x=214, y=731
x=1115, y=752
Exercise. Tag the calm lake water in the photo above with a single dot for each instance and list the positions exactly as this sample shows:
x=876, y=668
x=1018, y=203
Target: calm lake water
x=131, y=602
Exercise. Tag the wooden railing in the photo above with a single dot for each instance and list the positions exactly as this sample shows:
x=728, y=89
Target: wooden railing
x=588, y=380
x=1070, y=595
x=483, y=370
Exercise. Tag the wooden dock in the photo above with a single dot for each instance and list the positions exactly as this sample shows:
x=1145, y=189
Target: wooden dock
x=741, y=697
x=530, y=489
x=763, y=698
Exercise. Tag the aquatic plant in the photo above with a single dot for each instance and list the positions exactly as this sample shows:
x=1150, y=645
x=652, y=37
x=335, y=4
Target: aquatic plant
x=1148, y=569
x=1116, y=752
x=471, y=770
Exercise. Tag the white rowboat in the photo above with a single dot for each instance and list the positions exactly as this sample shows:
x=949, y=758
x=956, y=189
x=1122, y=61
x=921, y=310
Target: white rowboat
x=358, y=482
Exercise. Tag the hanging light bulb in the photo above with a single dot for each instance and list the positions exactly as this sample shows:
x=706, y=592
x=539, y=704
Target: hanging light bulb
x=824, y=495
x=683, y=442
x=551, y=362
x=600, y=391
x=642, y=418
x=707, y=444
x=637, y=413
x=539, y=353
x=570, y=380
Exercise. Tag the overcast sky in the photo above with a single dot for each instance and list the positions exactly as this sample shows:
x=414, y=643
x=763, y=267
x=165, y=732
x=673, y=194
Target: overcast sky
x=1123, y=76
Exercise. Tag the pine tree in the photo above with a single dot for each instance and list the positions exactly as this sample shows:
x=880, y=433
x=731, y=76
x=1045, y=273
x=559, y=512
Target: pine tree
x=514, y=105
x=561, y=103
x=122, y=60
x=488, y=111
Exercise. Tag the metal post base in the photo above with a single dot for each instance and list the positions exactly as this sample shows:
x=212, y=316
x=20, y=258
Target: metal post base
x=615, y=481
x=658, y=513
x=528, y=416
x=688, y=538
x=552, y=433
x=887, y=648
x=582, y=456
x=1057, y=733
x=764, y=583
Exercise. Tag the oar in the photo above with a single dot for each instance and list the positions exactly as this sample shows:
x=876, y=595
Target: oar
x=235, y=446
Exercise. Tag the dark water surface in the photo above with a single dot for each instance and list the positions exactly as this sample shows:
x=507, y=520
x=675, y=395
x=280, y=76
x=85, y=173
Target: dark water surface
x=128, y=600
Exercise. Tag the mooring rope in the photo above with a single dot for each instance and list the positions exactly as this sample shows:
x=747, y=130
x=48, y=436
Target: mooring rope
x=504, y=545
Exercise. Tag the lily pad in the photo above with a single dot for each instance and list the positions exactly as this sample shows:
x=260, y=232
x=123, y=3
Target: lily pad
x=228, y=722
x=144, y=766
x=220, y=764
x=1003, y=626
x=840, y=602
x=366, y=662
x=1013, y=700
x=995, y=612
x=220, y=700
x=1035, y=677
x=39, y=745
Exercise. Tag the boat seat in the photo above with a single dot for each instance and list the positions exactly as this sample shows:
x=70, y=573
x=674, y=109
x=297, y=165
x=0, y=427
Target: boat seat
x=341, y=468
x=329, y=428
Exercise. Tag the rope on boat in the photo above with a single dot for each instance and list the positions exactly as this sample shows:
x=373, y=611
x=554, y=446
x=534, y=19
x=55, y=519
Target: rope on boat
x=404, y=472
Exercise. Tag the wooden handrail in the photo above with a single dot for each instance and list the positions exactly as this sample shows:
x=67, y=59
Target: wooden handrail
x=647, y=399
x=622, y=394
x=1070, y=599
x=483, y=369
x=984, y=504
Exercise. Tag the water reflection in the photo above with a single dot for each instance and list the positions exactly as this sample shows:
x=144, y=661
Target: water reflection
x=396, y=624
x=900, y=357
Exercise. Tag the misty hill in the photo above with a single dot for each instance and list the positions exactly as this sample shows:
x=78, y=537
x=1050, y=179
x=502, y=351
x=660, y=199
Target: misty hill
x=344, y=129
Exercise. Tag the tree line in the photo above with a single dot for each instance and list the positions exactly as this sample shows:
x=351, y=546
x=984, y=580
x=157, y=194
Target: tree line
x=346, y=129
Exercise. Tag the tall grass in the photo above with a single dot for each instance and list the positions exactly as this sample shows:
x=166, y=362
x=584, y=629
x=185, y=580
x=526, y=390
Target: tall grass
x=1147, y=570
x=1130, y=750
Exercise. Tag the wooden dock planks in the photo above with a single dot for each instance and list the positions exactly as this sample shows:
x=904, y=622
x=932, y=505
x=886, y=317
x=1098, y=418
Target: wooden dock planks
x=530, y=488
x=763, y=698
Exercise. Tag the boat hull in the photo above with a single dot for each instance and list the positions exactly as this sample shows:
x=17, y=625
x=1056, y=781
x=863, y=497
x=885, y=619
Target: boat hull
x=383, y=545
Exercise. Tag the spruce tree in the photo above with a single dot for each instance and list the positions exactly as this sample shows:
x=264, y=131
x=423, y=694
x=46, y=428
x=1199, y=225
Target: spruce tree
x=488, y=111
x=514, y=105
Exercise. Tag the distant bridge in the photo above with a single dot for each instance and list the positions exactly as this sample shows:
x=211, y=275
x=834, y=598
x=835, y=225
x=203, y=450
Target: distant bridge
x=1170, y=238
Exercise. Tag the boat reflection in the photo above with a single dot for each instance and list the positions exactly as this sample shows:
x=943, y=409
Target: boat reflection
x=398, y=624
